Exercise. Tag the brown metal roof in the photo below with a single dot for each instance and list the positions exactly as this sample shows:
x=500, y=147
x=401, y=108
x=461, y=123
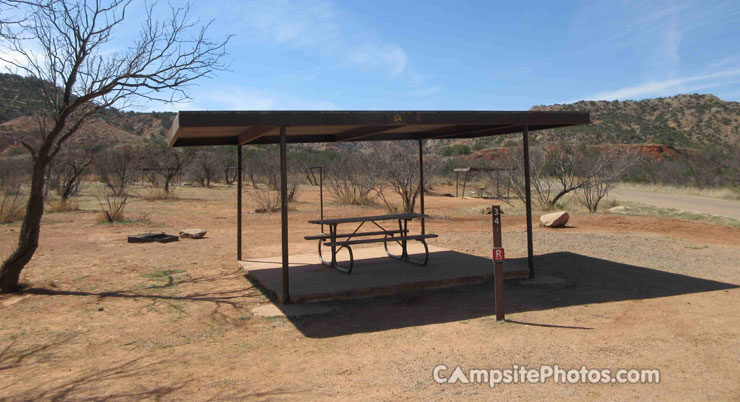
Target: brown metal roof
x=192, y=128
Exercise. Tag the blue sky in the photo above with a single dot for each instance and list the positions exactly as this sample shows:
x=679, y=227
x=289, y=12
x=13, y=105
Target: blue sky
x=478, y=55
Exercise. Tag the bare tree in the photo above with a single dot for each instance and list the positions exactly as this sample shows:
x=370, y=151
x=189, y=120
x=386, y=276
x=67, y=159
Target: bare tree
x=554, y=172
x=166, y=164
x=513, y=163
x=606, y=167
x=62, y=43
x=227, y=159
x=352, y=179
x=118, y=168
x=205, y=166
x=67, y=170
x=399, y=169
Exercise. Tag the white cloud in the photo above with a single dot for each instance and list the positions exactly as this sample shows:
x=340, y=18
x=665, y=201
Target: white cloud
x=376, y=56
x=296, y=22
x=669, y=86
x=250, y=99
x=319, y=26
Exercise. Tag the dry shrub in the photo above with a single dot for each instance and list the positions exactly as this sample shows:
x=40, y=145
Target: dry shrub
x=12, y=194
x=159, y=193
x=62, y=206
x=111, y=205
x=352, y=179
x=267, y=200
x=11, y=204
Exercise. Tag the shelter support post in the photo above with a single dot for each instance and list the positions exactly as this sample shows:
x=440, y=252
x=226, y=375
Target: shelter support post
x=528, y=200
x=465, y=183
x=421, y=184
x=239, y=203
x=457, y=182
x=285, y=297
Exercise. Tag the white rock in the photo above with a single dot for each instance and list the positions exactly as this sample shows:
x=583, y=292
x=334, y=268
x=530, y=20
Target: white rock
x=192, y=233
x=555, y=219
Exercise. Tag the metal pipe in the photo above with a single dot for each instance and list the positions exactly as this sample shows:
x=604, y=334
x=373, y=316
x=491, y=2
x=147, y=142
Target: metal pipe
x=239, y=203
x=321, y=195
x=528, y=201
x=465, y=183
x=421, y=184
x=284, y=211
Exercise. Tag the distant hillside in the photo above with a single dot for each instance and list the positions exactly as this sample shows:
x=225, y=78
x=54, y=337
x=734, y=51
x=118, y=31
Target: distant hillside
x=684, y=121
x=690, y=121
x=110, y=125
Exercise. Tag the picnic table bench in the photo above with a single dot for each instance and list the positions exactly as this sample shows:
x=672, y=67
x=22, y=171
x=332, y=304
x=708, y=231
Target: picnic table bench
x=338, y=241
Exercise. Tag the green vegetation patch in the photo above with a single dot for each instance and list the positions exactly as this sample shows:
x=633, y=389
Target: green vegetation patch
x=164, y=275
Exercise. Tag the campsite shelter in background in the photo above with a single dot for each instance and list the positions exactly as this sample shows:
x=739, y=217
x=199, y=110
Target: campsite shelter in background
x=238, y=128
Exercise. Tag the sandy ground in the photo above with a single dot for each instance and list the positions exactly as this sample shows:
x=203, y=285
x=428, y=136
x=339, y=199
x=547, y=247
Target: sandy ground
x=691, y=203
x=103, y=319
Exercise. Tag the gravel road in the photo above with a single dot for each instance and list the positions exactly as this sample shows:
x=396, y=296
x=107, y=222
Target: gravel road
x=703, y=205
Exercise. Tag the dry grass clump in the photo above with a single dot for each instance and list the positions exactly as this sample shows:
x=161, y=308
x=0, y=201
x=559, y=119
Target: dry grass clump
x=112, y=207
x=267, y=200
x=62, y=206
x=158, y=193
x=11, y=204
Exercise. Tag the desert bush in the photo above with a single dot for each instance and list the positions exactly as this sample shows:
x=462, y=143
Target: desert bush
x=227, y=158
x=205, y=167
x=559, y=170
x=164, y=166
x=267, y=200
x=66, y=172
x=159, y=193
x=112, y=206
x=12, y=194
x=62, y=205
x=605, y=168
x=398, y=169
x=353, y=179
x=118, y=168
x=455, y=150
x=263, y=168
x=11, y=204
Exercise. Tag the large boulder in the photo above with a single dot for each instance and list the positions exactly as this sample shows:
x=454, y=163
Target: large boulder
x=192, y=233
x=555, y=219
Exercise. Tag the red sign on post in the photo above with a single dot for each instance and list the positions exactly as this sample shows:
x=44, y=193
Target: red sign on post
x=498, y=254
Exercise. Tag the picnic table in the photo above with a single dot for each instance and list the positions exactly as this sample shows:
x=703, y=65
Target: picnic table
x=338, y=241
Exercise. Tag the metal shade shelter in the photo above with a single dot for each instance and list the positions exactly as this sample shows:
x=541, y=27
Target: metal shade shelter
x=203, y=128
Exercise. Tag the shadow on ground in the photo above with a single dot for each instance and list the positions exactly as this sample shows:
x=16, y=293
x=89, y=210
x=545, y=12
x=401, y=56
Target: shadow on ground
x=563, y=280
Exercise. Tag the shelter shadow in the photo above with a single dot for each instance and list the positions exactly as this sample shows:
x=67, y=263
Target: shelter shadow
x=578, y=280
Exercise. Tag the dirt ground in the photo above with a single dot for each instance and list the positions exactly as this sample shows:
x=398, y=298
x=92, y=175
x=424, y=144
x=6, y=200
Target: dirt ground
x=103, y=319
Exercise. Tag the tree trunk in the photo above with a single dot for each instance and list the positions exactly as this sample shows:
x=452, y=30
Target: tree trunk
x=28, y=240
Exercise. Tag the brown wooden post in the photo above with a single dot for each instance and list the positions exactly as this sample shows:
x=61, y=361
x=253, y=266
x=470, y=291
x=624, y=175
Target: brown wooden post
x=528, y=201
x=239, y=203
x=284, y=212
x=498, y=266
x=421, y=184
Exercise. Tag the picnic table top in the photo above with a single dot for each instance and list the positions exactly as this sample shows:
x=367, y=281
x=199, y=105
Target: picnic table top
x=391, y=217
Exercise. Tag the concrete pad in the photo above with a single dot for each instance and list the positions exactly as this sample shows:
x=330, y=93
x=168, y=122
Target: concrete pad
x=374, y=274
x=545, y=281
x=290, y=310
